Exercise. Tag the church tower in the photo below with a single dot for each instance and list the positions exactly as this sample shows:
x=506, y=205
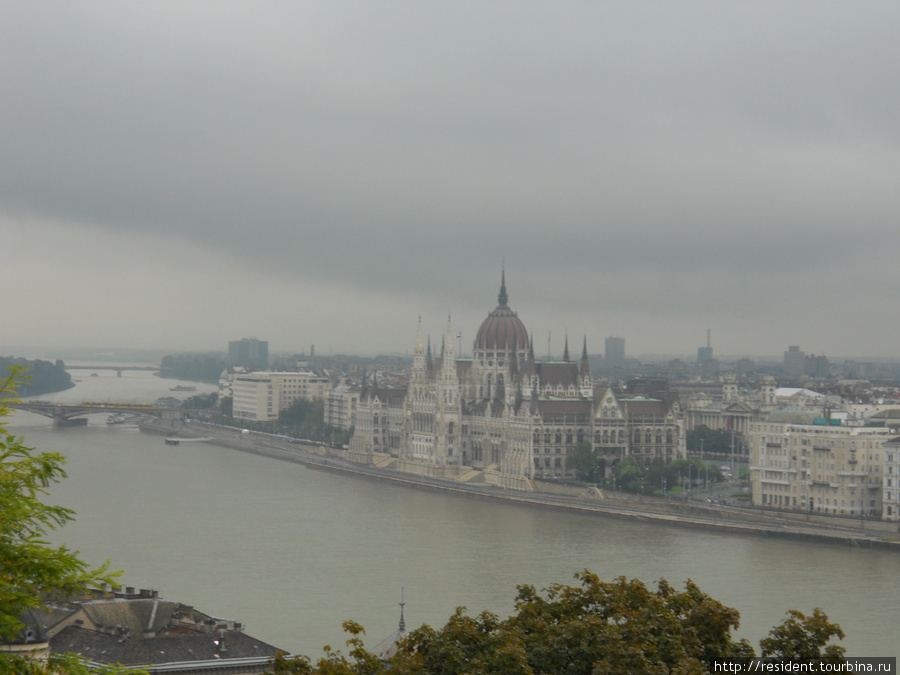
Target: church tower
x=730, y=388
x=448, y=412
x=500, y=345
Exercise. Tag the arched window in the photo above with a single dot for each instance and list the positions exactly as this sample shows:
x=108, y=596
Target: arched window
x=605, y=437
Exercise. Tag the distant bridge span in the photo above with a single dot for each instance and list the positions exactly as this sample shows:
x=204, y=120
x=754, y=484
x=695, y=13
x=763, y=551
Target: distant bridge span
x=63, y=414
x=118, y=369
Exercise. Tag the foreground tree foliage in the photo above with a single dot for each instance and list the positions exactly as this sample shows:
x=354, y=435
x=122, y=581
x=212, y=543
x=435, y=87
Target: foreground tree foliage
x=30, y=568
x=595, y=628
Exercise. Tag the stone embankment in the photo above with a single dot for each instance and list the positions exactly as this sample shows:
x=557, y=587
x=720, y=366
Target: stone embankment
x=676, y=511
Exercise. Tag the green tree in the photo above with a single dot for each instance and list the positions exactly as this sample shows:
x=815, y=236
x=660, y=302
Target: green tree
x=623, y=626
x=201, y=401
x=360, y=661
x=30, y=568
x=43, y=377
x=593, y=628
x=298, y=412
x=479, y=645
x=713, y=440
x=226, y=406
x=583, y=460
x=804, y=637
x=629, y=475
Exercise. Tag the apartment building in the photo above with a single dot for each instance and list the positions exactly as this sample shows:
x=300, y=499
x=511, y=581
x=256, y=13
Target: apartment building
x=891, y=477
x=262, y=396
x=340, y=406
x=817, y=465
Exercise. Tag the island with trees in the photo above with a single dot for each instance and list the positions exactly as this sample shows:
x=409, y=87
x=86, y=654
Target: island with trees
x=38, y=377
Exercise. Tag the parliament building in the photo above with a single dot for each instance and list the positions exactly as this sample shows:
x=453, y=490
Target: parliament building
x=507, y=419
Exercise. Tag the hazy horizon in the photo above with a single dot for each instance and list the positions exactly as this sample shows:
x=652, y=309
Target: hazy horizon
x=185, y=174
x=111, y=355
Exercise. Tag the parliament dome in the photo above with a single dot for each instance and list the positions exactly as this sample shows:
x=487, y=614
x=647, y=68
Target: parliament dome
x=502, y=329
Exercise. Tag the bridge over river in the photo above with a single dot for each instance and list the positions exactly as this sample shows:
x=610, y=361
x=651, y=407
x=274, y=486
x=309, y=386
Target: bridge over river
x=116, y=368
x=74, y=414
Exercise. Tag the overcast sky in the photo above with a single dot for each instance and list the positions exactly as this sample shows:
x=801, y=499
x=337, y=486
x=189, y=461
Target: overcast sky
x=182, y=174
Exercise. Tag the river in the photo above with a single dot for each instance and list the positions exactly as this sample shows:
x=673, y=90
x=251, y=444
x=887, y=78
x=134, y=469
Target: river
x=293, y=552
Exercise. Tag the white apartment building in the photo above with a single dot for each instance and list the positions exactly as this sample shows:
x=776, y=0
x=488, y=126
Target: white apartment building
x=340, y=406
x=262, y=396
x=257, y=397
x=891, y=476
x=818, y=467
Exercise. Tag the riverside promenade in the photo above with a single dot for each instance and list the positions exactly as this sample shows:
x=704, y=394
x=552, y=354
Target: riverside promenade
x=676, y=511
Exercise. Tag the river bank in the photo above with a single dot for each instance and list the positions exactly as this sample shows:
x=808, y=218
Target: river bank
x=711, y=517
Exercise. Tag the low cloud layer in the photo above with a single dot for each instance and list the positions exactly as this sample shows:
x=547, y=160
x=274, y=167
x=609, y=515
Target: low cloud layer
x=320, y=173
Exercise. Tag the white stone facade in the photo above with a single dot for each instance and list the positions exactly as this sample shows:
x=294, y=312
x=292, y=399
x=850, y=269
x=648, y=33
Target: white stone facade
x=818, y=468
x=340, y=406
x=891, y=478
x=504, y=418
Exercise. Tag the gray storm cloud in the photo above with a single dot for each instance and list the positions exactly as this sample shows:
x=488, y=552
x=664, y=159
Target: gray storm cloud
x=636, y=165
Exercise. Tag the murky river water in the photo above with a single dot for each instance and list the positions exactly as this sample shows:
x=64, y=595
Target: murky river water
x=292, y=552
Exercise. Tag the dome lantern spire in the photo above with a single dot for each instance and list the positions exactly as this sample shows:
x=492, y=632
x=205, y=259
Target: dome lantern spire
x=502, y=298
x=502, y=328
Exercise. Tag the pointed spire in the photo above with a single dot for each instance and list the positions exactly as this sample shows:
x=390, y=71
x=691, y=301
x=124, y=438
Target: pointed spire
x=502, y=298
x=447, y=351
x=402, y=604
x=566, y=350
x=418, y=349
x=585, y=365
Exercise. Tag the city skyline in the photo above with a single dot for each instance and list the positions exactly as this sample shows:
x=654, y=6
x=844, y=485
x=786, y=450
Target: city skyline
x=179, y=176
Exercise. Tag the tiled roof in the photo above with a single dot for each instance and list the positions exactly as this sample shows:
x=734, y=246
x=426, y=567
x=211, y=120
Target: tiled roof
x=557, y=373
x=644, y=407
x=560, y=409
x=133, y=614
x=106, y=648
